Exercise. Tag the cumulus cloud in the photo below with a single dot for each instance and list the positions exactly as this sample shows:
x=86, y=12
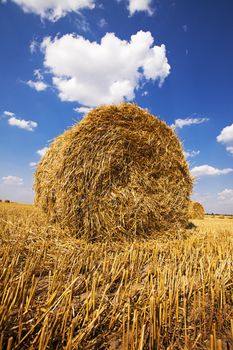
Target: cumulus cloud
x=207, y=170
x=53, y=9
x=180, y=123
x=191, y=154
x=12, y=180
x=28, y=125
x=82, y=110
x=226, y=134
x=42, y=151
x=22, y=124
x=94, y=73
x=139, y=5
x=37, y=85
x=226, y=138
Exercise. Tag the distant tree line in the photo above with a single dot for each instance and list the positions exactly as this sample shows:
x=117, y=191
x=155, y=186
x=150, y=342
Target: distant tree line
x=217, y=214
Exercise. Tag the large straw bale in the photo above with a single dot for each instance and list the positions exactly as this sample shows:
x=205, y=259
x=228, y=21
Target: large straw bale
x=196, y=210
x=120, y=172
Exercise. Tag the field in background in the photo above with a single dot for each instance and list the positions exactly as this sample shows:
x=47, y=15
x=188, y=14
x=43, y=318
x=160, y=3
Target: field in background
x=57, y=292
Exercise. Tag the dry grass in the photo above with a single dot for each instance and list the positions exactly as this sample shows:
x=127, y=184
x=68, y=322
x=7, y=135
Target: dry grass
x=57, y=292
x=119, y=173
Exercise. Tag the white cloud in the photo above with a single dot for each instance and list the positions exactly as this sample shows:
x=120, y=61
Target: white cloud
x=190, y=154
x=180, y=123
x=22, y=124
x=9, y=114
x=139, y=5
x=207, y=170
x=226, y=134
x=226, y=138
x=226, y=195
x=185, y=28
x=54, y=9
x=82, y=110
x=12, y=180
x=42, y=151
x=94, y=73
x=28, y=125
x=37, y=85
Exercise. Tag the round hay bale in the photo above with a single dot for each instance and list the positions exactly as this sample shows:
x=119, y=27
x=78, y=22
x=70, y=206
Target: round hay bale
x=196, y=210
x=119, y=172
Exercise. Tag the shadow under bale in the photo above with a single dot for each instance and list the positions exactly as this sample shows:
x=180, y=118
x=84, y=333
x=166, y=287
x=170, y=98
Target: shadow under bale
x=119, y=173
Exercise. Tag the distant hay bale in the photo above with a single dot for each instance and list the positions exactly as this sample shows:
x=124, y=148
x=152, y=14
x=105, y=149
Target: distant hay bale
x=196, y=210
x=7, y=201
x=120, y=172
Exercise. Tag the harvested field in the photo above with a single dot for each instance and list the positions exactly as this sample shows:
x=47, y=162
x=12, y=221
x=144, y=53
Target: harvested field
x=58, y=292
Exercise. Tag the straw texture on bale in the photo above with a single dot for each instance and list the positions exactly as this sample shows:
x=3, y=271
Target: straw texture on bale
x=196, y=210
x=120, y=172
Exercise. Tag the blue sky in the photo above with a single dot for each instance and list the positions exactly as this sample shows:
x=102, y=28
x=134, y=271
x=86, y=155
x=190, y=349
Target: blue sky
x=59, y=58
